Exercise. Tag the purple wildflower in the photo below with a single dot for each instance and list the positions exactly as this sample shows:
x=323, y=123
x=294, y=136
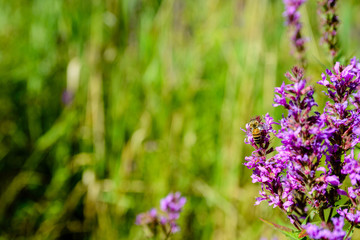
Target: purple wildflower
x=265, y=238
x=329, y=21
x=265, y=171
x=333, y=232
x=292, y=17
x=171, y=207
x=173, y=203
x=353, y=193
x=286, y=176
x=303, y=136
x=352, y=215
x=352, y=168
x=147, y=217
x=342, y=113
x=308, y=169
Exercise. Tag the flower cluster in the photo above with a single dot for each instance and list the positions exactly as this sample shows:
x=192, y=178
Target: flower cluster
x=171, y=207
x=292, y=17
x=146, y=218
x=353, y=216
x=265, y=171
x=351, y=168
x=342, y=112
x=333, y=231
x=306, y=174
x=329, y=21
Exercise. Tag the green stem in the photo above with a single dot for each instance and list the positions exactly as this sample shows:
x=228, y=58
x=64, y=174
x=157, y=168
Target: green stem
x=331, y=211
x=321, y=214
x=347, y=235
x=168, y=234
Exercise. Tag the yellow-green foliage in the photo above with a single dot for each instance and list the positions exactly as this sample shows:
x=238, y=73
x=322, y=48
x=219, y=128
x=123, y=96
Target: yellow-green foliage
x=161, y=89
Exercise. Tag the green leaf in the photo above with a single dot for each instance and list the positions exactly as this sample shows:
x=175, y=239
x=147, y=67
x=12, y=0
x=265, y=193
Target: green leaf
x=285, y=230
x=311, y=215
x=342, y=202
x=277, y=226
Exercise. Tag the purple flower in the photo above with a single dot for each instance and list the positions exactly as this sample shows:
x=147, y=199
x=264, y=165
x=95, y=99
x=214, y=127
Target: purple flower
x=147, y=217
x=173, y=203
x=139, y=219
x=304, y=139
x=291, y=7
x=333, y=180
x=329, y=22
x=273, y=238
x=265, y=171
x=312, y=230
x=288, y=178
x=342, y=114
x=292, y=20
x=171, y=207
x=352, y=168
x=306, y=172
x=323, y=232
x=351, y=215
x=353, y=193
x=174, y=227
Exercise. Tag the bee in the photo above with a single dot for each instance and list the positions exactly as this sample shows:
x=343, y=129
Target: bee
x=256, y=129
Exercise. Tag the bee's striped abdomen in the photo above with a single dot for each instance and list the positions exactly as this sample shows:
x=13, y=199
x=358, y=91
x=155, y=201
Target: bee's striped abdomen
x=256, y=134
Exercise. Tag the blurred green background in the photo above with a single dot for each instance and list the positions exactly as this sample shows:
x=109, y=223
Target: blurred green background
x=107, y=106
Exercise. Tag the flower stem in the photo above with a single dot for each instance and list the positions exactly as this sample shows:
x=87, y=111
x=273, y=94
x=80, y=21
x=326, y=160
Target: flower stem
x=321, y=214
x=331, y=211
x=168, y=234
x=348, y=234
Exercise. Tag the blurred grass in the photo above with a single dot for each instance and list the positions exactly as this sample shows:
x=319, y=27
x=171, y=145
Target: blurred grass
x=160, y=91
